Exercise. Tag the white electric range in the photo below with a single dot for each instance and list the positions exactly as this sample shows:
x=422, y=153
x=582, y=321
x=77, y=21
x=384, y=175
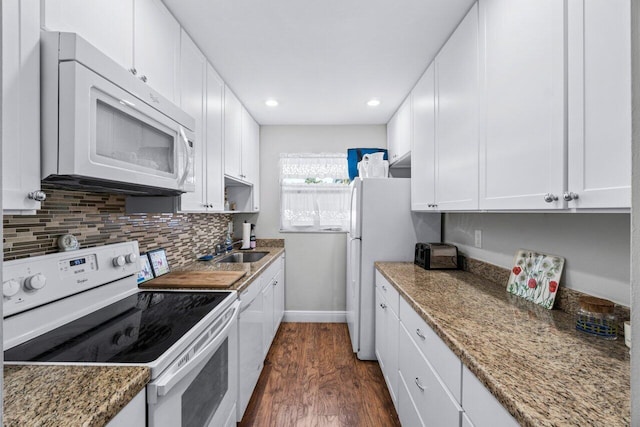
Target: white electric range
x=84, y=307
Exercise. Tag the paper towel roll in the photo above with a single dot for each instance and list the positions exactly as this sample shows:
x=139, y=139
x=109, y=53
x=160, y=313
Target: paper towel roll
x=246, y=235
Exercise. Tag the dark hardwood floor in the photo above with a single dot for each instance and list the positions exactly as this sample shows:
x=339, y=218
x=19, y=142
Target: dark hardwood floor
x=312, y=378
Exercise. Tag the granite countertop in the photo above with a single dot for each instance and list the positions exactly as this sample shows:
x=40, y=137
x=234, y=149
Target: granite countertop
x=46, y=395
x=252, y=269
x=543, y=371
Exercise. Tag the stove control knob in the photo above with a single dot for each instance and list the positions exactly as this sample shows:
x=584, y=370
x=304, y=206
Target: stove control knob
x=35, y=282
x=131, y=258
x=119, y=261
x=131, y=331
x=118, y=338
x=10, y=288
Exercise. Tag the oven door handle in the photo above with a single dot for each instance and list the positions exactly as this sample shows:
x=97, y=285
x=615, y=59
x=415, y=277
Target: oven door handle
x=164, y=384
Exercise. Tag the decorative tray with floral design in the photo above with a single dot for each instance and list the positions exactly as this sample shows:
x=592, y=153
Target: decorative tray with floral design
x=536, y=277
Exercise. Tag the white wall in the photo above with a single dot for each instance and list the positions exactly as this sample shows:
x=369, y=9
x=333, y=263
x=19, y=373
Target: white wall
x=316, y=262
x=595, y=246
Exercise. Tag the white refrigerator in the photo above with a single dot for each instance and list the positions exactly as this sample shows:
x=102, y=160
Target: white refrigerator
x=382, y=228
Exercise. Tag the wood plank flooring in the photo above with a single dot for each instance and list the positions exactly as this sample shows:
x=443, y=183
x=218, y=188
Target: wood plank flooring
x=312, y=378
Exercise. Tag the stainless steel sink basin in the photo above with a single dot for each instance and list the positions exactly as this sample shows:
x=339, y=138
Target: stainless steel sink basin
x=244, y=257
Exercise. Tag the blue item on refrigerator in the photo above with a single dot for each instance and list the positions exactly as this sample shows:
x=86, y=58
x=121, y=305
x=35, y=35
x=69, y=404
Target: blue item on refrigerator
x=354, y=155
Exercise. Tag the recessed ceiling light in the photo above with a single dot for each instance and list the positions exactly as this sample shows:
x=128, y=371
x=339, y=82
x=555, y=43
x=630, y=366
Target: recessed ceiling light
x=373, y=102
x=271, y=103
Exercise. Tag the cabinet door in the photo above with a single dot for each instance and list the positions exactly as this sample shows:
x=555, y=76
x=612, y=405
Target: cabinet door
x=381, y=344
x=250, y=346
x=214, y=134
x=457, y=118
x=192, y=89
x=423, y=145
x=522, y=144
x=20, y=104
x=156, y=46
x=399, y=132
x=109, y=28
x=251, y=156
x=278, y=297
x=599, y=103
x=267, y=317
x=232, y=134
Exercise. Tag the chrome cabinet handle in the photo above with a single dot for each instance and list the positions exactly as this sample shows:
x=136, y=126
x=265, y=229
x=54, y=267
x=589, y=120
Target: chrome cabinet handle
x=420, y=386
x=420, y=334
x=133, y=71
x=383, y=306
x=38, y=196
x=550, y=198
x=384, y=288
x=569, y=196
x=144, y=78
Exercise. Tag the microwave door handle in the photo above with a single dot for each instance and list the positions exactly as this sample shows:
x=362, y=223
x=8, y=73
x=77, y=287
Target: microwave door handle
x=164, y=385
x=187, y=163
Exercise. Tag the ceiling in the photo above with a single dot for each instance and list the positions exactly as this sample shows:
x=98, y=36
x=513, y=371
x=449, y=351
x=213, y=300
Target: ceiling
x=322, y=60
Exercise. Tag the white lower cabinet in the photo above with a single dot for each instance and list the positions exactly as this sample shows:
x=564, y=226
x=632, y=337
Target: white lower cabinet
x=133, y=414
x=480, y=406
x=427, y=381
x=434, y=403
x=387, y=324
x=258, y=321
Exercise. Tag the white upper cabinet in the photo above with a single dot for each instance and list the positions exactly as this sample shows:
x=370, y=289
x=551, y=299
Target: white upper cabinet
x=107, y=27
x=140, y=35
x=202, y=96
x=214, y=131
x=251, y=155
x=456, y=149
x=599, y=100
x=522, y=144
x=232, y=135
x=20, y=105
x=156, y=46
x=192, y=101
x=399, y=132
x=423, y=147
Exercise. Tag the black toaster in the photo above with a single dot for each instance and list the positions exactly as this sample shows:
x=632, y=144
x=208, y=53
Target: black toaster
x=436, y=256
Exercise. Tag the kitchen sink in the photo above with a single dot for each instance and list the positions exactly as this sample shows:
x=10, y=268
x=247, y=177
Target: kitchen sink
x=244, y=257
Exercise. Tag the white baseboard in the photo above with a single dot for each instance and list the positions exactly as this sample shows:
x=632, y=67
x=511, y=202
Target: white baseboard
x=299, y=316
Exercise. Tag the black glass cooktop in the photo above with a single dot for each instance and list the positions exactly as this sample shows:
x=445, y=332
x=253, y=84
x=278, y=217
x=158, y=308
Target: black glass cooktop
x=136, y=329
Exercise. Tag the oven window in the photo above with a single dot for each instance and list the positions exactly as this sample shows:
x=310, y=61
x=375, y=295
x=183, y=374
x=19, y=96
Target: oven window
x=122, y=137
x=203, y=397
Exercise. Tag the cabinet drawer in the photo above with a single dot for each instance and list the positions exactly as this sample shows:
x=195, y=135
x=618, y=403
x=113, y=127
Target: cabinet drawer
x=482, y=408
x=436, y=406
x=407, y=411
x=444, y=361
x=389, y=293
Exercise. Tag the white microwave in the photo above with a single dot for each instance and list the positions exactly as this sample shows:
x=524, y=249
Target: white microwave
x=105, y=130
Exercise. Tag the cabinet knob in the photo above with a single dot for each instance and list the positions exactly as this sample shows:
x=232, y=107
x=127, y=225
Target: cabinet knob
x=420, y=386
x=550, y=198
x=383, y=306
x=143, y=78
x=133, y=71
x=569, y=196
x=38, y=196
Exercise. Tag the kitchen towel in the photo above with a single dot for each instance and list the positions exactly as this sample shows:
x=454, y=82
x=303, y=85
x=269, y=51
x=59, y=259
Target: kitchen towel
x=246, y=235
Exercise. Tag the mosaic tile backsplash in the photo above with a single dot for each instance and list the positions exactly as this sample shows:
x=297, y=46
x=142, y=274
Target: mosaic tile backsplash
x=98, y=219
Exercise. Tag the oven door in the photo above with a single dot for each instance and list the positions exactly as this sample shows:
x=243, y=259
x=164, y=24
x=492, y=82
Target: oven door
x=201, y=386
x=107, y=133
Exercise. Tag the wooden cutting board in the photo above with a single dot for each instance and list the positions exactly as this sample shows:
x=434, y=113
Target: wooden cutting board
x=195, y=279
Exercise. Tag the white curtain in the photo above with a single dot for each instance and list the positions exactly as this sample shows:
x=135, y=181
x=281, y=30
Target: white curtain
x=314, y=192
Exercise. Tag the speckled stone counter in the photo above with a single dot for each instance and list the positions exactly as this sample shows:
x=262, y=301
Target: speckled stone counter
x=533, y=360
x=46, y=395
x=253, y=269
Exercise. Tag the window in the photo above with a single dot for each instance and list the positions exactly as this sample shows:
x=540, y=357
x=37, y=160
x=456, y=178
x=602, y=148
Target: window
x=314, y=192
